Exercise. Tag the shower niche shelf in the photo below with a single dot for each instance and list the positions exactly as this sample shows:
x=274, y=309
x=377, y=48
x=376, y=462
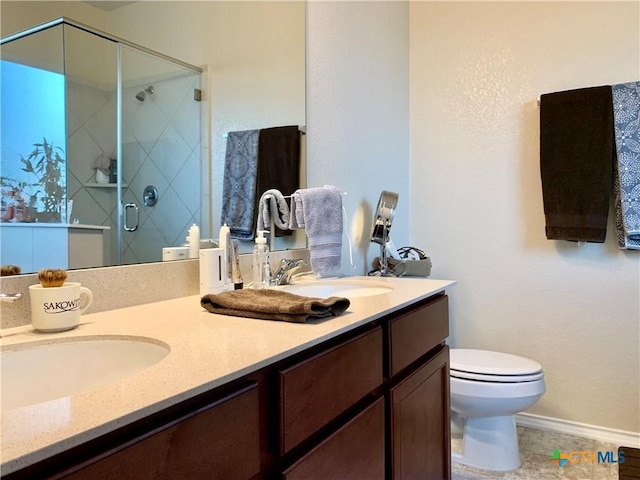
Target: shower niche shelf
x=104, y=185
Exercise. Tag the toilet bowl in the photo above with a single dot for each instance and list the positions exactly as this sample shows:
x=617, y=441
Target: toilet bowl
x=487, y=390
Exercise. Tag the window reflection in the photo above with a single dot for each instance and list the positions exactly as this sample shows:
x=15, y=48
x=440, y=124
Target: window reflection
x=32, y=144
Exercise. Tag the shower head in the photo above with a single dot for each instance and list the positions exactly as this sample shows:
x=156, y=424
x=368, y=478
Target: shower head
x=140, y=96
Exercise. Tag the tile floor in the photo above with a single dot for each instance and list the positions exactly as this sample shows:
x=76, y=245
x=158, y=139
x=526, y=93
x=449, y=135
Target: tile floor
x=536, y=446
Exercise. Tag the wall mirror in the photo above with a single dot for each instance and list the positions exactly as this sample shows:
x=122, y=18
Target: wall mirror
x=251, y=75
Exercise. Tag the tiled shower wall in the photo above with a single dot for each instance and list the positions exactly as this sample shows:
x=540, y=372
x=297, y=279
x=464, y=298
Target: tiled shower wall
x=161, y=147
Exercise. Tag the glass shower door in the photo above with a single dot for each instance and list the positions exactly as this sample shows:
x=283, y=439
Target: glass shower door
x=159, y=154
x=91, y=101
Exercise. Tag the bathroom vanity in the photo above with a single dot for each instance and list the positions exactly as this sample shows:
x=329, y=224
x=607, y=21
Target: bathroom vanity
x=363, y=395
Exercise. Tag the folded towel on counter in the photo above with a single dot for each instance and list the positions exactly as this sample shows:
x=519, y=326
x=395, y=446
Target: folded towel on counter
x=273, y=206
x=279, y=162
x=273, y=305
x=323, y=221
x=626, y=117
x=576, y=163
x=239, y=186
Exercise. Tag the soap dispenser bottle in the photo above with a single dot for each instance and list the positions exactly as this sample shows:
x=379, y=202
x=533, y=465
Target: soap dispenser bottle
x=261, y=266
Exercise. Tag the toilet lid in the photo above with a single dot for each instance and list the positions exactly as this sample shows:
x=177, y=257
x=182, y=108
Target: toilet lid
x=489, y=366
x=479, y=377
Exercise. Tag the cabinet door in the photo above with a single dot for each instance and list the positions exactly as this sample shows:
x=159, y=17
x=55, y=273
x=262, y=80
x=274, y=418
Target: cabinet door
x=219, y=441
x=420, y=429
x=355, y=451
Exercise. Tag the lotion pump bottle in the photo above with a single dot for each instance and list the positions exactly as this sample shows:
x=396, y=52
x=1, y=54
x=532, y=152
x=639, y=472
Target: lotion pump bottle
x=194, y=241
x=261, y=266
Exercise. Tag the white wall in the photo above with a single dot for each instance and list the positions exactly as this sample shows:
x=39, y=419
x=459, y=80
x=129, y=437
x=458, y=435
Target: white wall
x=358, y=112
x=16, y=16
x=477, y=69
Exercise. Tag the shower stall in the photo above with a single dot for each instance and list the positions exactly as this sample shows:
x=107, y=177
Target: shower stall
x=97, y=133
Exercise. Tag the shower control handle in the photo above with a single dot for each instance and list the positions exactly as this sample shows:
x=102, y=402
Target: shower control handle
x=150, y=196
x=126, y=218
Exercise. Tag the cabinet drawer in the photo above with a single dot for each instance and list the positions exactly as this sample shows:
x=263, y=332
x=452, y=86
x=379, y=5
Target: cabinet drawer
x=415, y=333
x=356, y=450
x=315, y=391
x=219, y=441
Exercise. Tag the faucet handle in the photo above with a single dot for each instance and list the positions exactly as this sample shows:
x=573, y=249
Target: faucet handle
x=10, y=297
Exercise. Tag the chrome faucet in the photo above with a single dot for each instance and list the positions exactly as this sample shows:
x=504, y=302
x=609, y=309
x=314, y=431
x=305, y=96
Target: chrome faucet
x=288, y=267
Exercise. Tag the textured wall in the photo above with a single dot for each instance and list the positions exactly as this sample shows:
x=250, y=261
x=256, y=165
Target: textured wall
x=477, y=69
x=358, y=112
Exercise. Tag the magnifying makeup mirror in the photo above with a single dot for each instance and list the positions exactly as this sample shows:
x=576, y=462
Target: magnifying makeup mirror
x=382, y=220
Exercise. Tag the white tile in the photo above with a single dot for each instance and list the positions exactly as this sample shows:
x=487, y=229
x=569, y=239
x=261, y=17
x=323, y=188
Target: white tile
x=186, y=120
x=187, y=184
x=170, y=152
x=102, y=128
x=82, y=152
x=170, y=216
x=147, y=125
x=133, y=156
x=170, y=94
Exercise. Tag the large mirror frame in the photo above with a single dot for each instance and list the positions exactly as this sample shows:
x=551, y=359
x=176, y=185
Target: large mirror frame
x=252, y=54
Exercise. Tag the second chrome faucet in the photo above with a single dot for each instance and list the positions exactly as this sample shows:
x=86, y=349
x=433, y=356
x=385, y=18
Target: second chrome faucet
x=287, y=269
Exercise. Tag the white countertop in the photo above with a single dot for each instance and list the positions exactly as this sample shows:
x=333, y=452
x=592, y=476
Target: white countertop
x=206, y=351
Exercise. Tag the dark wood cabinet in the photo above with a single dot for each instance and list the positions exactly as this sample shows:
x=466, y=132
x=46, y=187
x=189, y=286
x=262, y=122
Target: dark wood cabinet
x=215, y=435
x=354, y=451
x=218, y=441
x=415, y=332
x=410, y=348
x=420, y=427
x=372, y=403
x=316, y=390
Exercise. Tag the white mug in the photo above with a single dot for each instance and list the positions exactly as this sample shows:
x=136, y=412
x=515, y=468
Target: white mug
x=54, y=309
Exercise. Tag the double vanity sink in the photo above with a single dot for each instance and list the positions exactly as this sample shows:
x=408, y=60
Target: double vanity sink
x=60, y=390
x=37, y=372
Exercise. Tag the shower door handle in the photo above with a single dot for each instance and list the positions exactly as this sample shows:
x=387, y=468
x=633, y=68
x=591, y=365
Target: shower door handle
x=126, y=218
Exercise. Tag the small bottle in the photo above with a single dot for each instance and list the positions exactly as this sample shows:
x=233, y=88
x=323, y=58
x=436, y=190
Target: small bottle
x=224, y=243
x=236, y=274
x=194, y=241
x=261, y=266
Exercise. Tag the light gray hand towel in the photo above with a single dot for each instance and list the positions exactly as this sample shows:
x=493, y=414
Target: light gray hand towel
x=626, y=117
x=322, y=212
x=296, y=214
x=273, y=205
x=239, y=186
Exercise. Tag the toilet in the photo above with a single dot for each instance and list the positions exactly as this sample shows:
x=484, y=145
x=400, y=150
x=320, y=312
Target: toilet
x=487, y=390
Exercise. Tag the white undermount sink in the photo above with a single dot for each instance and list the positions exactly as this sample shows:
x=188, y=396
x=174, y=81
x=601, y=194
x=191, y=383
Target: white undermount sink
x=36, y=372
x=349, y=287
